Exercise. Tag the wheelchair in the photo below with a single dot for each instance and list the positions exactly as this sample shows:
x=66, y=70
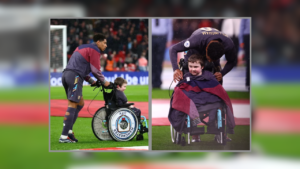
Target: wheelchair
x=219, y=129
x=117, y=122
x=219, y=123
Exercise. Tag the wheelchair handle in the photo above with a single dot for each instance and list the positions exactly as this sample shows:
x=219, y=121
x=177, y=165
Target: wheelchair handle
x=181, y=63
x=99, y=84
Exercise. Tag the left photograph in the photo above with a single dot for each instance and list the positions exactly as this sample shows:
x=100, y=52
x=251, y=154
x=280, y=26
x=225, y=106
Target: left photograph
x=98, y=84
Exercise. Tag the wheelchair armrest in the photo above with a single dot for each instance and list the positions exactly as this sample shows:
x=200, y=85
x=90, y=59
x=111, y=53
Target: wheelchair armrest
x=126, y=105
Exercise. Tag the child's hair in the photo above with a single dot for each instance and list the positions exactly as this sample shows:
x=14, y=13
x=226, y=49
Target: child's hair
x=120, y=81
x=196, y=58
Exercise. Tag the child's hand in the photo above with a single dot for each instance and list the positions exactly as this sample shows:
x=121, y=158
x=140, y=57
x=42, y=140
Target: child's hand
x=218, y=76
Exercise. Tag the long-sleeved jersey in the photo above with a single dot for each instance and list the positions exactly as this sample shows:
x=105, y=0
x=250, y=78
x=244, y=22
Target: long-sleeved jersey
x=196, y=44
x=84, y=60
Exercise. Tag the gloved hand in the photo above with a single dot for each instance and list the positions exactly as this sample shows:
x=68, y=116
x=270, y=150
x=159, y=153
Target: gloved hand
x=97, y=83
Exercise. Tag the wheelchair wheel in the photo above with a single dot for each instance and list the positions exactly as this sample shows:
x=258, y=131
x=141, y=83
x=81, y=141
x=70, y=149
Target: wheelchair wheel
x=224, y=127
x=99, y=125
x=123, y=125
x=173, y=134
x=220, y=124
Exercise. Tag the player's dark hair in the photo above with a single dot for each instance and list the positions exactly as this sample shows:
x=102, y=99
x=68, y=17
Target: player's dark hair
x=215, y=50
x=120, y=81
x=196, y=58
x=99, y=37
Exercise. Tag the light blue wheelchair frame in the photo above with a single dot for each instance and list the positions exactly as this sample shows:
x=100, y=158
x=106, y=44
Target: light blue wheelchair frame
x=220, y=124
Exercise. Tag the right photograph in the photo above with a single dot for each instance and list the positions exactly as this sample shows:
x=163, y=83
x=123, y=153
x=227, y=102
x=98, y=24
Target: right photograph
x=201, y=84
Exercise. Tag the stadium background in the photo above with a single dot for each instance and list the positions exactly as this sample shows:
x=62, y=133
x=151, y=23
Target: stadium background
x=24, y=88
x=127, y=46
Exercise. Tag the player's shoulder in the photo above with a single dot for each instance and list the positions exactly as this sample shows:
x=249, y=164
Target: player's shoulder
x=206, y=29
x=93, y=46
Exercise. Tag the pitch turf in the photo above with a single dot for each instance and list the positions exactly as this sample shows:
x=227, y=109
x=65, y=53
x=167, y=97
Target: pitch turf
x=162, y=140
x=87, y=139
x=133, y=93
x=279, y=95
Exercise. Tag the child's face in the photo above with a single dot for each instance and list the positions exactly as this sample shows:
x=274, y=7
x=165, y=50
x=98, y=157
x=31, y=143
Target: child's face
x=195, y=68
x=122, y=88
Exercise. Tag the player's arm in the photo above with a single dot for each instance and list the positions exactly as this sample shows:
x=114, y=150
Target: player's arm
x=95, y=68
x=190, y=43
x=231, y=60
x=89, y=79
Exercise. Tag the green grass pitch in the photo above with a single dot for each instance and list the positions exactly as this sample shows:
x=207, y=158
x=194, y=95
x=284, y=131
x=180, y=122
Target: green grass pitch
x=86, y=138
x=162, y=140
x=133, y=93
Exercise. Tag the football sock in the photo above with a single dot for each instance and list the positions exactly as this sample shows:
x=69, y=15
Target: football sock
x=68, y=120
x=76, y=115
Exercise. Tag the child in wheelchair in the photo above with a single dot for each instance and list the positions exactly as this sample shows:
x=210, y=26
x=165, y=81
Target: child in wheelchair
x=199, y=92
x=121, y=98
x=118, y=120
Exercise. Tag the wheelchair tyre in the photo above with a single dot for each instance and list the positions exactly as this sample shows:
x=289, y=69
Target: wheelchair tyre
x=224, y=127
x=221, y=136
x=178, y=141
x=99, y=125
x=123, y=125
x=173, y=134
x=224, y=140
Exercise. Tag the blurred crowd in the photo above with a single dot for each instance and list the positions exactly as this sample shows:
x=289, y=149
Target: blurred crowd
x=275, y=24
x=127, y=41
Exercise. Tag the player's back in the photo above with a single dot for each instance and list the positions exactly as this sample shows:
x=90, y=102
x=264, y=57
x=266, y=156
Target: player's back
x=209, y=33
x=81, y=58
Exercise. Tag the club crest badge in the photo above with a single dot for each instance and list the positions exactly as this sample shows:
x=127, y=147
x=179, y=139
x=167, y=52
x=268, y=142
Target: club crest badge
x=187, y=44
x=123, y=125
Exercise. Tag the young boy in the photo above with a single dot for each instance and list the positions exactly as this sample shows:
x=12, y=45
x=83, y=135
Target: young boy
x=122, y=99
x=196, y=65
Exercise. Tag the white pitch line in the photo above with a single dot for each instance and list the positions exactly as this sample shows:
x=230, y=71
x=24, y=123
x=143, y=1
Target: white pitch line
x=136, y=147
